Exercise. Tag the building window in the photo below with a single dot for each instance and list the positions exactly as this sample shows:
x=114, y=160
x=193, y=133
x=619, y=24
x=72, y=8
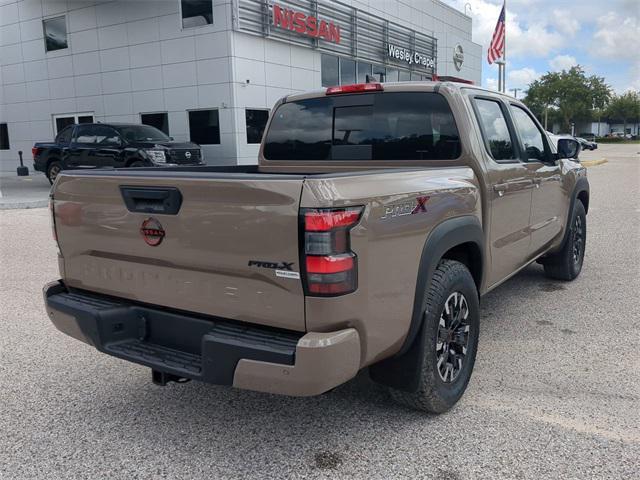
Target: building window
x=204, y=127
x=392, y=75
x=364, y=71
x=330, y=67
x=55, y=33
x=196, y=13
x=379, y=73
x=64, y=120
x=4, y=137
x=347, y=71
x=256, y=122
x=405, y=76
x=158, y=120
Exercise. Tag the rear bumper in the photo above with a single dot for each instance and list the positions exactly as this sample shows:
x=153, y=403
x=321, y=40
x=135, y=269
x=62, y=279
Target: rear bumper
x=211, y=350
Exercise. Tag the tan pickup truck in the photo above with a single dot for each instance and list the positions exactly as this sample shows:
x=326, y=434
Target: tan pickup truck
x=377, y=217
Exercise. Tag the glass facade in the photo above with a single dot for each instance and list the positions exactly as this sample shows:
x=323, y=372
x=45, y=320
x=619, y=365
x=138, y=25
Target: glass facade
x=345, y=71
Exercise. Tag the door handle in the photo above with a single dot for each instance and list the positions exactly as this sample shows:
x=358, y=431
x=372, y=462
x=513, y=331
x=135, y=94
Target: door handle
x=164, y=200
x=500, y=188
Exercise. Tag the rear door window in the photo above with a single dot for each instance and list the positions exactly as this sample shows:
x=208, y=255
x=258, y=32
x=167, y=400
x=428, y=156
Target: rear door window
x=382, y=126
x=86, y=134
x=64, y=137
x=495, y=130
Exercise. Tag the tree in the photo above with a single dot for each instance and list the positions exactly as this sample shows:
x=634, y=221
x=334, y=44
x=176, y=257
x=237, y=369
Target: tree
x=624, y=107
x=568, y=96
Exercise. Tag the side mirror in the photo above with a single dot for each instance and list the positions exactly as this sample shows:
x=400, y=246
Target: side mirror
x=171, y=138
x=568, y=148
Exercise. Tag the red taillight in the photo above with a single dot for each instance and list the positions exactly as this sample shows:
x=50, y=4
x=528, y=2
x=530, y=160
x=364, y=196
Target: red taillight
x=34, y=152
x=330, y=265
x=355, y=88
x=325, y=220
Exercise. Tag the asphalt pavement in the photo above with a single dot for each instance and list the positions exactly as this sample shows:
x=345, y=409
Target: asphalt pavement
x=555, y=393
x=31, y=191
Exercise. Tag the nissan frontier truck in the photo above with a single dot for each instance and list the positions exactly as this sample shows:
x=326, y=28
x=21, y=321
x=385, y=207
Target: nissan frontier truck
x=377, y=217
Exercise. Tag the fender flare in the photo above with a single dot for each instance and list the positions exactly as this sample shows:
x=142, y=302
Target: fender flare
x=582, y=185
x=401, y=370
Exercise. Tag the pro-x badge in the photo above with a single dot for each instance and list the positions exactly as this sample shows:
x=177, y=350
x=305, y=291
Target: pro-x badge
x=152, y=232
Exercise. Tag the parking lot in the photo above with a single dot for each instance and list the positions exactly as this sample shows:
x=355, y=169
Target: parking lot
x=555, y=392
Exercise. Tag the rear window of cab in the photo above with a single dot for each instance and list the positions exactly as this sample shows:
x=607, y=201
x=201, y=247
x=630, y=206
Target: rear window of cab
x=372, y=126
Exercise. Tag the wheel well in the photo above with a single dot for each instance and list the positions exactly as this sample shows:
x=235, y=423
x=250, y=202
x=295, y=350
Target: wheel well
x=583, y=196
x=51, y=160
x=469, y=255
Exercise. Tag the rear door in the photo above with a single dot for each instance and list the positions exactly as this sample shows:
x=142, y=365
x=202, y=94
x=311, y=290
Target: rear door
x=108, y=147
x=84, y=140
x=510, y=190
x=230, y=250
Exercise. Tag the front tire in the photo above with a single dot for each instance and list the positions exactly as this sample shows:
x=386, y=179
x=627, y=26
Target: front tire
x=449, y=334
x=567, y=263
x=53, y=170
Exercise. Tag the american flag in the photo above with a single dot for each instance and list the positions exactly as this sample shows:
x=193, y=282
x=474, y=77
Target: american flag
x=496, y=49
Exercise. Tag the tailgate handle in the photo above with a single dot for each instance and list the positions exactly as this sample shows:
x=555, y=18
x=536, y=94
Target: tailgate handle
x=161, y=200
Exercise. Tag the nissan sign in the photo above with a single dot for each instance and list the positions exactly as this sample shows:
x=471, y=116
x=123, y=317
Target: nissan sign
x=304, y=24
x=458, y=57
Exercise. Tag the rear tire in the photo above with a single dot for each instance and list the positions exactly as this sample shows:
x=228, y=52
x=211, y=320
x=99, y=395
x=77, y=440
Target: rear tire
x=449, y=334
x=567, y=263
x=53, y=170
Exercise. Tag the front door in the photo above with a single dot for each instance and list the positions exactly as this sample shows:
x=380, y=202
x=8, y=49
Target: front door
x=549, y=206
x=511, y=185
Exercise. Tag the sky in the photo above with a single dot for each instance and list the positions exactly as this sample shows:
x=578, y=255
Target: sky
x=603, y=36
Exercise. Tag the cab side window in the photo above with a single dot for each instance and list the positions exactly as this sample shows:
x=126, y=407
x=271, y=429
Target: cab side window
x=495, y=130
x=64, y=137
x=85, y=135
x=530, y=135
x=106, y=136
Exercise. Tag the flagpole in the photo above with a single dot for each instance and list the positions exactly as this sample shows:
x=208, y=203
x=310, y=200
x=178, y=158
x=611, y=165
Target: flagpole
x=504, y=55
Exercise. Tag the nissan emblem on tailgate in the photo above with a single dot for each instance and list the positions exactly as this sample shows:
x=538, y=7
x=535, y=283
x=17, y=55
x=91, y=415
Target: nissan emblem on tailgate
x=152, y=232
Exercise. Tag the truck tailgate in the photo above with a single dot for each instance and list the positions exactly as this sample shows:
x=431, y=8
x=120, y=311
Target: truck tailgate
x=230, y=251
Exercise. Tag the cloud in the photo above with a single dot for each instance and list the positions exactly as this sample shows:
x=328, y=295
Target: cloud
x=536, y=37
x=562, y=62
x=616, y=37
x=521, y=78
x=565, y=22
x=492, y=84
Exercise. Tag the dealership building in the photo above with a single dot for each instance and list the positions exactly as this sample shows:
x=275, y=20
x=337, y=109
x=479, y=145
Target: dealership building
x=208, y=70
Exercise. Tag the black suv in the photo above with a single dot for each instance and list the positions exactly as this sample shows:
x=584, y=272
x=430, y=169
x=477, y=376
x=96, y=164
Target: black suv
x=95, y=145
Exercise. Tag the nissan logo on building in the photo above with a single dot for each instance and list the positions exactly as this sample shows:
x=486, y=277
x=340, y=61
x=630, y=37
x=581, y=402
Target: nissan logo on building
x=458, y=57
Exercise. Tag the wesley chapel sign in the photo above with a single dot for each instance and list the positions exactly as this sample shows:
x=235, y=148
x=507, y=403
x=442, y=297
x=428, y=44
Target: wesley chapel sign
x=411, y=57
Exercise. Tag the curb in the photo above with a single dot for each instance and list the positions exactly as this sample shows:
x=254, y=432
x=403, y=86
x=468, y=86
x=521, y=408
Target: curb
x=594, y=163
x=19, y=205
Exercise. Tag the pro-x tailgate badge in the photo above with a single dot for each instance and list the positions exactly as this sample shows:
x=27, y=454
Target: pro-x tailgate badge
x=152, y=232
x=282, y=269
